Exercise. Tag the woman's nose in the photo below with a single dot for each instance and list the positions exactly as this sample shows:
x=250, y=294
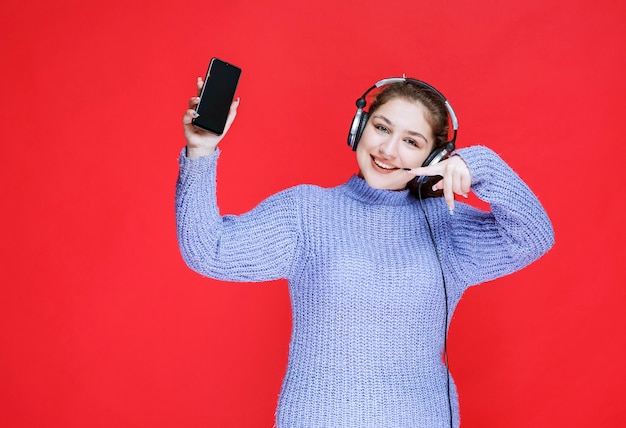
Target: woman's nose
x=389, y=148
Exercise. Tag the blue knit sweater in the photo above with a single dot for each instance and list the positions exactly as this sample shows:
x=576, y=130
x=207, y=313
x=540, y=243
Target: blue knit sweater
x=366, y=290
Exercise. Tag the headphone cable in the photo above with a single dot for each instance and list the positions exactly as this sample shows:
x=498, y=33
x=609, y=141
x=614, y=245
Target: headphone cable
x=445, y=294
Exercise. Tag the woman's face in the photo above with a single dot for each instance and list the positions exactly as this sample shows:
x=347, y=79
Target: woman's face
x=396, y=136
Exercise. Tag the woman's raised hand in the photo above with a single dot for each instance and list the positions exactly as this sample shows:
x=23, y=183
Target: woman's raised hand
x=199, y=141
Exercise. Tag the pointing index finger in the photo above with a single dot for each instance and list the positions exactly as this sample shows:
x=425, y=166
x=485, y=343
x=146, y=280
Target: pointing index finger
x=424, y=170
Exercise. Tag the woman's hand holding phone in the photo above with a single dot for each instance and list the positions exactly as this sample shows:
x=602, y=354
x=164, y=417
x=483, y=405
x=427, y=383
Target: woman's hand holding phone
x=199, y=141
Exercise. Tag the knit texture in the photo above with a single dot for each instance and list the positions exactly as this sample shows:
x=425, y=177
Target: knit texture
x=366, y=290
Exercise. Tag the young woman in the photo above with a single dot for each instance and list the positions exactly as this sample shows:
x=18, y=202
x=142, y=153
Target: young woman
x=375, y=266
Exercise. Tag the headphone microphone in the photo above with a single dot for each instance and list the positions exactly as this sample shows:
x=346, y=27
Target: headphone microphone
x=362, y=116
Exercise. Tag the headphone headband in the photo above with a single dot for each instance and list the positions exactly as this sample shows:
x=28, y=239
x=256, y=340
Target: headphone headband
x=390, y=80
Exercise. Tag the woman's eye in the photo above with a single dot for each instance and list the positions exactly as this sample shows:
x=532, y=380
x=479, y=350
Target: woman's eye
x=412, y=142
x=382, y=128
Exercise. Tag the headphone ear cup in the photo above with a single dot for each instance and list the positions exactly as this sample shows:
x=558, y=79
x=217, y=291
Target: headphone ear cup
x=354, y=129
x=432, y=159
x=364, y=117
x=357, y=127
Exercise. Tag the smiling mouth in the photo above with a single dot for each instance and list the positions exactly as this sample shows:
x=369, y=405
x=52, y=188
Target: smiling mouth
x=382, y=165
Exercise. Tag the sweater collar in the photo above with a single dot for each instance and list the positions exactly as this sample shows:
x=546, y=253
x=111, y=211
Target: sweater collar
x=357, y=188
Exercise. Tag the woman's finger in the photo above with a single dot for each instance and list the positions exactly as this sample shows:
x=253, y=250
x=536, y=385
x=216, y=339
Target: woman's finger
x=457, y=182
x=463, y=182
x=199, y=85
x=428, y=171
x=188, y=116
x=193, y=102
x=438, y=185
x=466, y=184
x=448, y=190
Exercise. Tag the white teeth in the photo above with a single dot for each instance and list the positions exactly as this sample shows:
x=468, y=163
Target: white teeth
x=383, y=165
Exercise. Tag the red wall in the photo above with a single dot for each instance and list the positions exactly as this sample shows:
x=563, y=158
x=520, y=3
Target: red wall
x=101, y=323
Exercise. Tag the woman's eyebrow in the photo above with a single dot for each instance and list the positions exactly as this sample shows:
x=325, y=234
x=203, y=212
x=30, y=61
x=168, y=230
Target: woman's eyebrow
x=412, y=133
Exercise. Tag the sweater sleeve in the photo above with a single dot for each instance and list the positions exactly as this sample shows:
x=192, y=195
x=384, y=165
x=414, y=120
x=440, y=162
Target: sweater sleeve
x=259, y=245
x=516, y=232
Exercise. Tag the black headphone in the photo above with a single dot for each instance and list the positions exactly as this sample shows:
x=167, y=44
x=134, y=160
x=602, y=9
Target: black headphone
x=361, y=117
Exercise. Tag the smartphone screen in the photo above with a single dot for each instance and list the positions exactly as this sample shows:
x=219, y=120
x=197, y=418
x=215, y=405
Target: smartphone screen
x=217, y=95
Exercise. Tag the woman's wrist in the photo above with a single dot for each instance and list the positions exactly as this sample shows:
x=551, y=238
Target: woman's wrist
x=196, y=152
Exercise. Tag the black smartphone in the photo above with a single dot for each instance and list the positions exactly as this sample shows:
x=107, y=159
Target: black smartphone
x=217, y=95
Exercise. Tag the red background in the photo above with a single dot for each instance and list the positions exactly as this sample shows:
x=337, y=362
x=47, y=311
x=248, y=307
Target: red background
x=103, y=325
